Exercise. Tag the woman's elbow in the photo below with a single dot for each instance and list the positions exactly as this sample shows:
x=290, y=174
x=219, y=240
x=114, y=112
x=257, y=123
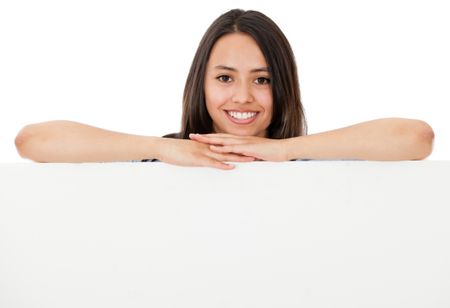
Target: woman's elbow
x=423, y=140
x=24, y=141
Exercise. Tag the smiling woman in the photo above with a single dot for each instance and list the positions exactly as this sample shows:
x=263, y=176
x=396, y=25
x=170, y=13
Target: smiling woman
x=238, y=95
x=241, y=103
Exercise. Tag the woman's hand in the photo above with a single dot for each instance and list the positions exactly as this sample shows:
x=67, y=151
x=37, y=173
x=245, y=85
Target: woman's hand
x=251, y=146
x=184, y=152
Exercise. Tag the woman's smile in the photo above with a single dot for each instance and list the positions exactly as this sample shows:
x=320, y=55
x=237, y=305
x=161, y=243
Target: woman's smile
x=241, y=118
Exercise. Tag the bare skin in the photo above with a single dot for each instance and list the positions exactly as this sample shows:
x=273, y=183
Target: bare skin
x=237, y=85
x=383, y=139
x=67, y=141
x=389, y=139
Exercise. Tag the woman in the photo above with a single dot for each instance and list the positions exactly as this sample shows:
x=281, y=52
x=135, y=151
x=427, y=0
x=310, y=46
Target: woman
x=241, y=103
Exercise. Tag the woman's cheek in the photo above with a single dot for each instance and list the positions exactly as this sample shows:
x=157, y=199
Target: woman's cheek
x=264, y=99
x=216, y=96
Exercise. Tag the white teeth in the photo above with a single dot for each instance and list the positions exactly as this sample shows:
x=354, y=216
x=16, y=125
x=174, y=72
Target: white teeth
x=241, y=115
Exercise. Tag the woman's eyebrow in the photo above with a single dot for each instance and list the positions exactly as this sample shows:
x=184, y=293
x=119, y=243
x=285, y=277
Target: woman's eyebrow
x=255, y=70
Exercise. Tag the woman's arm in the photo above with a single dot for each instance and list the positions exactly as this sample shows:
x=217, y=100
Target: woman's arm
x=66, y=141
x=72, y=142
x=384, y=139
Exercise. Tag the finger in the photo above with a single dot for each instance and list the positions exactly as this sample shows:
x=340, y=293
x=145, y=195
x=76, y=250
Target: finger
x=207, y=160
x=235, y=158
x=207, y=140
x=226, y=136
x=219, y=135
x=229, y=157
x=219, y=165
x=216, y=140
x=236, y=149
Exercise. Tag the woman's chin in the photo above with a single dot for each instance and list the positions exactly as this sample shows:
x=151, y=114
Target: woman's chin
x=241, y=132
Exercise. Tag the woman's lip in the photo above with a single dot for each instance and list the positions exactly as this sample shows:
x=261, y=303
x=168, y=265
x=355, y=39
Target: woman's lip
x=235, y=110
x=238, y=121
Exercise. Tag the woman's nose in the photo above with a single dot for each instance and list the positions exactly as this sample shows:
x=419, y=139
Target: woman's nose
x=242, y=94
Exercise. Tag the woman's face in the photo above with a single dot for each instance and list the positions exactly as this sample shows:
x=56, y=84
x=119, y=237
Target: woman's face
x=238, y=92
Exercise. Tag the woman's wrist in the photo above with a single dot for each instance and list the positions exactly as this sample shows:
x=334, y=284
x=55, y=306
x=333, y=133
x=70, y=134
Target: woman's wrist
x=292, y=148
x=297, y=148
x=154, y=147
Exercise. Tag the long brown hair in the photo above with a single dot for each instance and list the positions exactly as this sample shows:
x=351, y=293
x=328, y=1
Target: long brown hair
x=288, y=119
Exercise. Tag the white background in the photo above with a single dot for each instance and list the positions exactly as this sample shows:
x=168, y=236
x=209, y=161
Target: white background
x=122, y=65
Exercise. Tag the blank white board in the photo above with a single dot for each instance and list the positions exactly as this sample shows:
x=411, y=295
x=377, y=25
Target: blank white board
x=292, y=234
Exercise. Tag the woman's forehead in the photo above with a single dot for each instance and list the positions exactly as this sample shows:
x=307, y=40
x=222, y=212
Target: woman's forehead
x=237, y=50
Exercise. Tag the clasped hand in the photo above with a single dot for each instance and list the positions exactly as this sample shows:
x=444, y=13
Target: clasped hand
x=213, y=150
x=258, y=148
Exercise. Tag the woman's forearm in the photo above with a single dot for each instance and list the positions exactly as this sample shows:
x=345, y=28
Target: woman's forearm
x=66, y=141
x=383, y=139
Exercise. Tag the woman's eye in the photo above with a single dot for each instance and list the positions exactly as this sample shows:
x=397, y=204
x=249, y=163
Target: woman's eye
x=224, y=78
x=262, y=80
